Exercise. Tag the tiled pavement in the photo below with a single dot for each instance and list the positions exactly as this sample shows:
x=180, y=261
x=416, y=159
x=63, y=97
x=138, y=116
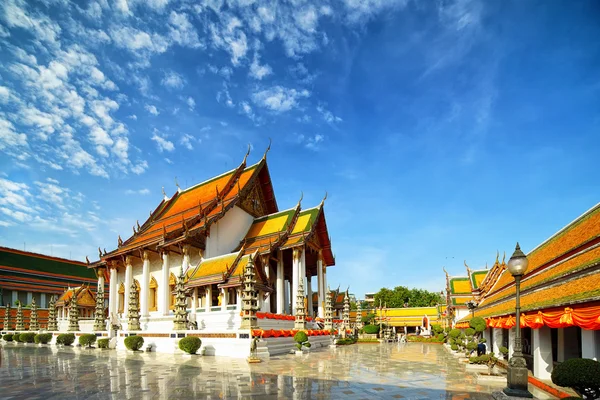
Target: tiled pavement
x=391, y=371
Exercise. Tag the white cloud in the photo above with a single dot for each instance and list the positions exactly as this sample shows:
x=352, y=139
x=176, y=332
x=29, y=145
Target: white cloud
x=187, y=141
x=173, y=80
x=151, y=109
x=140, y=167
x=4, y=94
x=140, y=191
x=191, y=103
x=278, y=98
x=258, y=71
x=223, y=96
x=182, y=31
x=310, y=142
x=9, y=137
x=328, y=115
x=162, y=143
x=133, y=117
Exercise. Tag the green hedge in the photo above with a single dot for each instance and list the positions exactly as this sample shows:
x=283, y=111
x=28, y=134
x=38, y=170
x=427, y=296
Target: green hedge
x=346, y=341
x=43, y=338
x=454, y=333
x=190, y=344
x=423, y=339
x=66, y=339
x=454, y=347
x=8, y=337
x=87, y=340
x=134, y=343
x=17, y=337
x=27, y=337
x=371, y=329
x=103, y=343
x=580, y=374
x=478, y=324
x=469, y=331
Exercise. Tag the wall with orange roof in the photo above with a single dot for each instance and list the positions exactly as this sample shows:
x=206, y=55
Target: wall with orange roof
x=228, y=232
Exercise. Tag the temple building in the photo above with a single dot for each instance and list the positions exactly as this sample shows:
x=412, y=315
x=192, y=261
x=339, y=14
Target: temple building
x=208, y=234
x=560, y=298
x=85, y=299
x=27, y=277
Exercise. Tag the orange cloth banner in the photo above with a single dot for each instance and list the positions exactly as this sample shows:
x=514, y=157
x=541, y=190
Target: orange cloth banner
x=583, y=317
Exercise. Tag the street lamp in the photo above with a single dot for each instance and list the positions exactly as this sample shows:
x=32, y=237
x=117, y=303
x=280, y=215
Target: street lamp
x=472, y=305
x=517, y=367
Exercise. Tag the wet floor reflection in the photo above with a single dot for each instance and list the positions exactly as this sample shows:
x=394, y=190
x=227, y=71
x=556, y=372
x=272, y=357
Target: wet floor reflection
x=414, y=371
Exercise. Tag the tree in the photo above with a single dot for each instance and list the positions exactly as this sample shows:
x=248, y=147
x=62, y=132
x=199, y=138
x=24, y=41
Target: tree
x=401, y=296
x=353, y=306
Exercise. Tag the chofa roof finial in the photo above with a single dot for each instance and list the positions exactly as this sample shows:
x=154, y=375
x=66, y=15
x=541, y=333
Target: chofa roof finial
x=267, y=150
x=164, y=193
x=120, y=241
x=177, y=184
x=324, y=198
x=301, y=197
x=247, y=154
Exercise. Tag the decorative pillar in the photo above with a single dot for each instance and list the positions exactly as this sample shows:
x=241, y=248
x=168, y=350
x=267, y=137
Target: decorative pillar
x=73, y=314
x=249, y=300
x=346, y=313
x=279, y=290
x=127, y=284
x=542, y=353
x=358, y=320
x=100, y=278
x=238, y=297
x=267, y=301
x=497, y=341
x=29, y=298
x=165, y=291
x=43, y=300
x=325, y=279
x=309, y=296
x=286, y=296
x=180, y=321
x=303, y=267
x=99, y=321
x=33, y=317
x=145, y=284
x=20, y=326
x=511, y=342
x=133, y=311
x=328, y=311
x=320, y=287
x=295, y=276
x=300, y=321
x=7, y=323
x=194, y=300
x=52, y=323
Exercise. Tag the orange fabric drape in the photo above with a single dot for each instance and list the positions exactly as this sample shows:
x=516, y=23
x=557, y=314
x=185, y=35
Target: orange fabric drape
x=583, y=317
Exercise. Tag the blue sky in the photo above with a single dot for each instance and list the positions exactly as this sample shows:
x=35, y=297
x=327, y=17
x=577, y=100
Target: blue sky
x=442, y=131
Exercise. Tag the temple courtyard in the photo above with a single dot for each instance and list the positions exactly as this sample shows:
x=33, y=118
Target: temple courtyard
x=364, y=371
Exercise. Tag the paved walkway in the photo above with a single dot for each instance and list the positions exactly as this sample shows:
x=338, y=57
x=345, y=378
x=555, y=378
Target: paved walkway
x=391, y=371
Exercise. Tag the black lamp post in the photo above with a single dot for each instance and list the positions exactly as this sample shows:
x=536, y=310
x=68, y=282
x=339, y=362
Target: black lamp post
x=472, y=305
x=517, y=367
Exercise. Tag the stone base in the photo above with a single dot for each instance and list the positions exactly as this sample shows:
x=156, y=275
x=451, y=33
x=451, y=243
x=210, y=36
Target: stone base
x=253, y=360
x=504, y=396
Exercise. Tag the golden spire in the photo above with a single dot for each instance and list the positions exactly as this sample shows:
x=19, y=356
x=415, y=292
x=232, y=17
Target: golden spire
x=267, y=150
x=246, y=156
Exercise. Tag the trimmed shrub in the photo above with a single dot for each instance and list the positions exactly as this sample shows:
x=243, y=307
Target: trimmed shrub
x=454, y=333
x=472, y=346
x=454, y=347
x=437, y=329
x=483, y=340
x=87, y=340
x=301, y=339
x=134, y=343
x=504, y=351
x=371, y=329
x=190, y=344
x=441, y=337
x=17, y=337
x=43, y=338
x=66, y=339
x=27, y=337
x=478, y=324
x=447, y=329
x=8, y=337
x=469, y=331
x=103, y=343
x=346, y=341
x=580, y=374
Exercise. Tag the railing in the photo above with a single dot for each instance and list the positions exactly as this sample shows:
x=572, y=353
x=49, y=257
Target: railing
x=233, y=307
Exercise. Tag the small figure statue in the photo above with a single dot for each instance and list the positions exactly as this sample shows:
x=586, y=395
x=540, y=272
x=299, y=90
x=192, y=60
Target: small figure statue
x=253, y=350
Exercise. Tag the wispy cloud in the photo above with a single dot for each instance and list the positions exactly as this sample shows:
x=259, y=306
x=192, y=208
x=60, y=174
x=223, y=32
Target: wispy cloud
x=278, y=98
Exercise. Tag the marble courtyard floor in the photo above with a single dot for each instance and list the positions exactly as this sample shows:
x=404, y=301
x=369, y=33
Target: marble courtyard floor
x=367, y=371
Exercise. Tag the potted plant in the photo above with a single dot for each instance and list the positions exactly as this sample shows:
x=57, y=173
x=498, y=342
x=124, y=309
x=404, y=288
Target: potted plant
x=580, y=374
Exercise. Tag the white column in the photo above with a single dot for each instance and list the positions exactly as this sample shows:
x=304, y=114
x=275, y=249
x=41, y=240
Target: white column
x=43, y=300
x=497, y=341
x=238, y=302
x=224, y=299
x=561, y=350
x=320, y=288
x=128, y=281
x=511, y=341
x=194, y=300
x=590, y=344
x=324, y=282
x=309, y=302
x=542, y=353
x=186, y=258
x=267, y=303
x=15, y=297
x=101, y=273
x=165, y=293
x=29, y=297
x=286, y=296
x=280, y=291
x=295, y=277
x=208, y=298
x=145, y=284
x=303, y=269
x=113, y=296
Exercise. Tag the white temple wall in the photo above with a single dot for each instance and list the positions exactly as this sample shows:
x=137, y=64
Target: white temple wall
x=227, y=233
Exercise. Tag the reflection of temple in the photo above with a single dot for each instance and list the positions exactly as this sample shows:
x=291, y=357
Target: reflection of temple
x=210, y=231
x=84, y=298
x=560, y=299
